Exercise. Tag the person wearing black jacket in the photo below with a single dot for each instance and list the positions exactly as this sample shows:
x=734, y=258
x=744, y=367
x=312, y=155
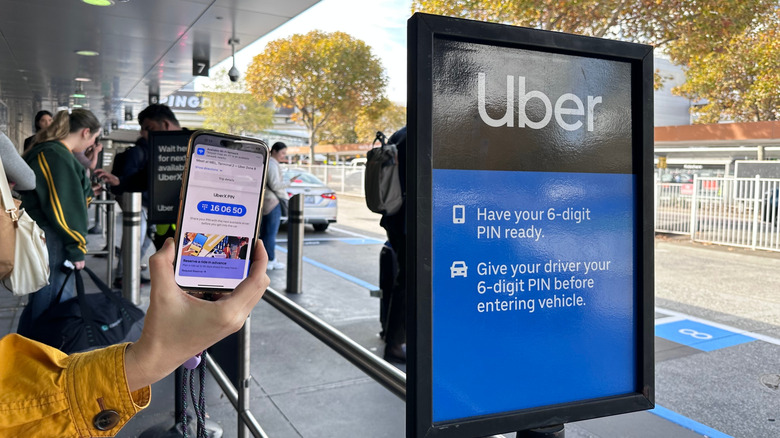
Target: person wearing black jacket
x=395, y=226
x=134, y=174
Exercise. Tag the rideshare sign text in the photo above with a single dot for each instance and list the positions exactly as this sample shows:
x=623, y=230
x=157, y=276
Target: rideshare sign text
x=533, y=219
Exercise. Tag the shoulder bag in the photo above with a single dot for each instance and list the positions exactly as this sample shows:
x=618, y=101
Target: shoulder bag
x=88, y=320
x=24, y=259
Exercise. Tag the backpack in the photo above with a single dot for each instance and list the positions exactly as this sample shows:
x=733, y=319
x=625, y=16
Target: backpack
x=382, y=183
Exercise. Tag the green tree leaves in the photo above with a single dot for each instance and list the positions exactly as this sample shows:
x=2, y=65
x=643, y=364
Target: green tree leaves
x=327, y=77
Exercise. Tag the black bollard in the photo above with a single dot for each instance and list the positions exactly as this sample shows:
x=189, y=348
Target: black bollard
x=295, y=245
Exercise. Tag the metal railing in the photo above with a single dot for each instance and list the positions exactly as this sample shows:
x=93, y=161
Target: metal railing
x=730, y=211
x=387, y=375
x=343, y=179
x=110, y=221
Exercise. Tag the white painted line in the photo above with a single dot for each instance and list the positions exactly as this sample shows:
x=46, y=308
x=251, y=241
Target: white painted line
x=668, y=319
x=341, y=230
x=754, y=335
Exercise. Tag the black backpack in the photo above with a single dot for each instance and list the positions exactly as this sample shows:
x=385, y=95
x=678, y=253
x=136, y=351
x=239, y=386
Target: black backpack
x=382, y=183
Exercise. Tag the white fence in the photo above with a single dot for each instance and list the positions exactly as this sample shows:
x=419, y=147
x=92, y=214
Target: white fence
x=728, y=211
x=343, y=179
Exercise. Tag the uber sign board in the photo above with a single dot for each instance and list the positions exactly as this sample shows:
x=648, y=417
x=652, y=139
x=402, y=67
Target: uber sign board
x=529, y=216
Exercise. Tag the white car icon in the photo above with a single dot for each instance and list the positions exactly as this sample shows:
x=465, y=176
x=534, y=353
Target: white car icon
x=458, y=269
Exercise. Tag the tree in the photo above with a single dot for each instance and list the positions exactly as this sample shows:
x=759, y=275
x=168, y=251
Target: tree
x=741, y=80
x=326, y=77
x=228, y=107
x=383, y=115
x=696, y=35
x=390, y=117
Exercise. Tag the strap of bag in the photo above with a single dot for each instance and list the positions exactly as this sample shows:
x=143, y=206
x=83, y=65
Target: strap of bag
x=381, y=138
x=86, y=312
x=110, y=294
x=5, y=189
x=56, y=299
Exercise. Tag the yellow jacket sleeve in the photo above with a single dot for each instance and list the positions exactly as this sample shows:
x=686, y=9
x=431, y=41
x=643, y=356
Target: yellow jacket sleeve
x=46, y=393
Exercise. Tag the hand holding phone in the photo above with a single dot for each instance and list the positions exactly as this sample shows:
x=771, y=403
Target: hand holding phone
x=219, y=211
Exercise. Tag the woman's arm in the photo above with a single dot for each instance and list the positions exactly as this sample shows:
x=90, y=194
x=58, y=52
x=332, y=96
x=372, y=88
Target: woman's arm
x=52, y=394
x=15, y=167
x=178, y=325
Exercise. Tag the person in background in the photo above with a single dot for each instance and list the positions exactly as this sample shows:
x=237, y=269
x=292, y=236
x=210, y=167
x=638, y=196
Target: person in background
x=275, y=194
x=19, y=174
x=42, y=119
x=59, y=202
x=89, y=157
x=134, y=177
x=45, y=393
x=395, y=226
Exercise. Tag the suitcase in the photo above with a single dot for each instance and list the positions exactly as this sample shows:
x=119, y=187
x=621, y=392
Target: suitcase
x=388, y=269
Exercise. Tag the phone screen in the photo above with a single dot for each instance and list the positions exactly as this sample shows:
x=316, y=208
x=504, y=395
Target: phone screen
x=220, y=212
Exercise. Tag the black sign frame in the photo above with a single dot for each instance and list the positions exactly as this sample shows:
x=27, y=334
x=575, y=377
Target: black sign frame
x=423, y=30
x=165, y=193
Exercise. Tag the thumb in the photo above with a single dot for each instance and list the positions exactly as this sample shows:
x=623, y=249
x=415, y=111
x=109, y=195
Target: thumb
x=161, y=263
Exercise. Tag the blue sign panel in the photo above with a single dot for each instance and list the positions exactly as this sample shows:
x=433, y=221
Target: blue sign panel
x=533, y=276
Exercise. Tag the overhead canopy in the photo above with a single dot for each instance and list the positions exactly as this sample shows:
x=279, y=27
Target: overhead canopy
x=142, y=46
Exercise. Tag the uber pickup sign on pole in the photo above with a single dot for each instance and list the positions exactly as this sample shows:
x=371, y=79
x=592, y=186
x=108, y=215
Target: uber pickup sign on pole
x=530, y=225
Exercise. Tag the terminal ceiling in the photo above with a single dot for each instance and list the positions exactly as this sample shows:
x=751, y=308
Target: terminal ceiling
x=142, y=44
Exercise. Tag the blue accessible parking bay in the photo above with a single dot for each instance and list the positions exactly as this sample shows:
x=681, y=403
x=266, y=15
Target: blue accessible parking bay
x=700, y=336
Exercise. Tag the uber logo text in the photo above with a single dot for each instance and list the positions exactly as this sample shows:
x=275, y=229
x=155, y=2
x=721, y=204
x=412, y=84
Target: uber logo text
x=522, y=117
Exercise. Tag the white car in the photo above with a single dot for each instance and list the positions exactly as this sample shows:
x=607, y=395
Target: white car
x=319, y=201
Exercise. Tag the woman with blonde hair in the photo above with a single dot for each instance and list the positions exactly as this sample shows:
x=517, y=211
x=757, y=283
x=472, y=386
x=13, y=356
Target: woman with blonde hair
x=59, y=201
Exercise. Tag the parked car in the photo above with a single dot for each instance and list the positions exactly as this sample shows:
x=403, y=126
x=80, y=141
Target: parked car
x=319, y=201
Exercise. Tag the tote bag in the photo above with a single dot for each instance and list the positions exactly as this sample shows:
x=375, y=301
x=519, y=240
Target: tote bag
x=88, y=321
x=24, y=259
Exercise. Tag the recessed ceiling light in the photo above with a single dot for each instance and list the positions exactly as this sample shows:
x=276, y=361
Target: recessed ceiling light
x=75, y=105
x=82, y=80
x=99, y=2
x=87, y=53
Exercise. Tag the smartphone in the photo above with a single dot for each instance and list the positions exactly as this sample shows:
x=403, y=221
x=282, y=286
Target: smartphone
x=458, y=214
x=219, y=211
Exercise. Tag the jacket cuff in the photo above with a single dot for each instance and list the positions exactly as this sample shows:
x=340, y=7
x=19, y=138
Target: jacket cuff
x=100, y=399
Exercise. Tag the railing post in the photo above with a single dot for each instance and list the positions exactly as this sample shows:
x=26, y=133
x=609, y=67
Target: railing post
x=656, y=202
x=244, y=377
x=131, y=246
x=110, y=240
x=694, y=206
x=756, y=211
x=295, y=245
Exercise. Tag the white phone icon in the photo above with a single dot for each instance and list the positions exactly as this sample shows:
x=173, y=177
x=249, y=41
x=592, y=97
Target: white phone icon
x=458, y=214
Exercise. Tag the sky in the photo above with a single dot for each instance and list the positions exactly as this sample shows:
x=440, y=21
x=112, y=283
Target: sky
x=379, y=23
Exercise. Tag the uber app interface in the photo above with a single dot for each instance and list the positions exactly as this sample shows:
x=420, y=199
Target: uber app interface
x=219, y=218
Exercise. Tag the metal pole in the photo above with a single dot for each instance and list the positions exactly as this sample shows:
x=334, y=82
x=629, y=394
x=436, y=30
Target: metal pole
x=131, y=246
x=244, y=377
x=295, y=245
x=695, y=206
x=110, y=240
x=232, y=396
x=556, y=431
x=756, y=209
